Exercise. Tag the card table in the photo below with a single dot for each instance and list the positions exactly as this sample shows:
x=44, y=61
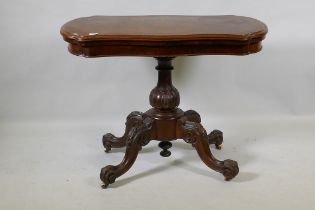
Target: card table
x=164, y=37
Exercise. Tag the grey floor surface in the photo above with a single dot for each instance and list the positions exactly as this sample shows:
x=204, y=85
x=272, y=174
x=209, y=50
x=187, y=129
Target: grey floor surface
x=56, y=166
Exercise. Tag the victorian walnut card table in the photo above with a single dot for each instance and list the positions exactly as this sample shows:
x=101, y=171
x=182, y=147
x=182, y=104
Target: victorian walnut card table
x=164, y=37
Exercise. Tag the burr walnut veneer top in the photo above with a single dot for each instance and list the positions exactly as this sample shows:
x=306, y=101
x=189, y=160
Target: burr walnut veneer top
x=163, y=35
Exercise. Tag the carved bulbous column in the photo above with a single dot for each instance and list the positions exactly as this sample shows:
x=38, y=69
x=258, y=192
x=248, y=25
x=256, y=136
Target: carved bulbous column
x=164, y=96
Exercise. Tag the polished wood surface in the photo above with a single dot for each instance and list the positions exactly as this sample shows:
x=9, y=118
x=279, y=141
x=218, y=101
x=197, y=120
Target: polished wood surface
x=165, y=35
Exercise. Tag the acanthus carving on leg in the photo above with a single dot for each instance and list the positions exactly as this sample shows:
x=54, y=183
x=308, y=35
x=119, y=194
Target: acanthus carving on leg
x=110, y=141
x=195, y=134
x=215, y=137
x=139, y=135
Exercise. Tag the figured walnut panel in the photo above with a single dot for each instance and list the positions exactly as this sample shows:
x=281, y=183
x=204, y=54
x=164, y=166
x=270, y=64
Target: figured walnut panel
x=163, y=35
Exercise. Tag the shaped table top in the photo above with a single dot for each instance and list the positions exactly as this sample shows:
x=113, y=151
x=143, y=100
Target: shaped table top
x=163, y=35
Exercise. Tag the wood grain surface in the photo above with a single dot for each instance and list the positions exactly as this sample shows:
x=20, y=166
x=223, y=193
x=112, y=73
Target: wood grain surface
x=163, y=35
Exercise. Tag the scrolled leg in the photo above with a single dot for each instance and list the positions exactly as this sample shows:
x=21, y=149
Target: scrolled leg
x=110, y=141
x=196, y=135
x=139, y=135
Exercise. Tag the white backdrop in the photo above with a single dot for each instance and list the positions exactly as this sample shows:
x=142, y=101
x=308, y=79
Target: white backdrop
x=42, y=84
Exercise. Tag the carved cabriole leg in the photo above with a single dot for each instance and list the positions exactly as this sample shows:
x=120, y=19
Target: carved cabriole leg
x=110, y=141
x=139, y=135
x=195, y=134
